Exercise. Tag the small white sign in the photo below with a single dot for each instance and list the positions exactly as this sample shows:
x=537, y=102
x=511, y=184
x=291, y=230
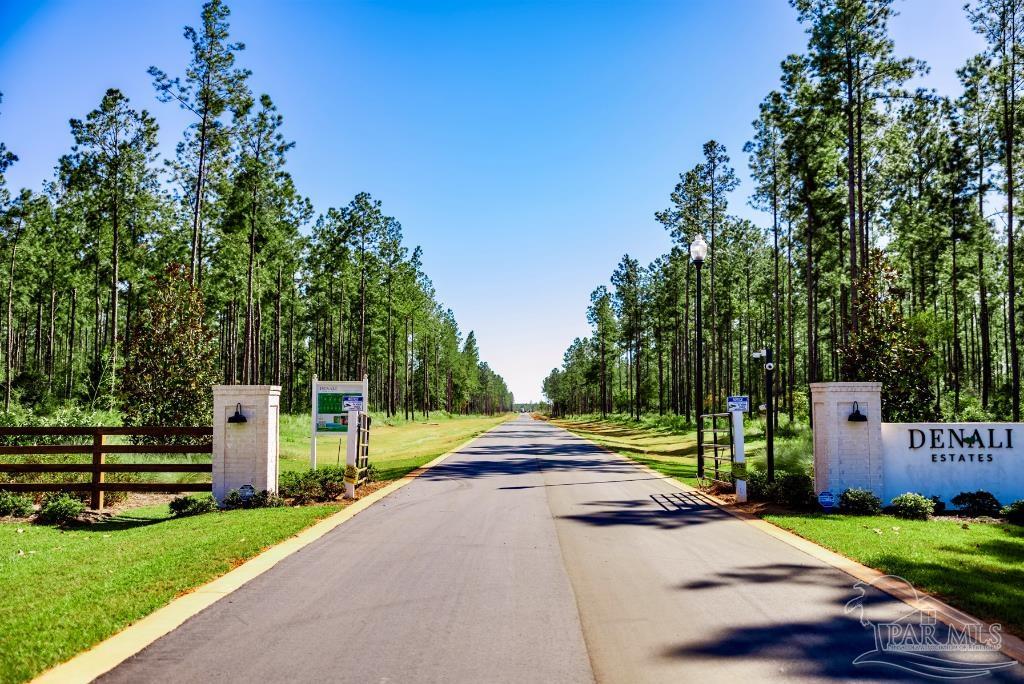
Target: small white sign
x=740, y=403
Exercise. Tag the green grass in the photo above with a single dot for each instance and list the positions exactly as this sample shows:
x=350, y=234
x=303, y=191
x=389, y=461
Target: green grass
x=397, y=446
x=65, y=590
x=979, y=569
x=669, y=445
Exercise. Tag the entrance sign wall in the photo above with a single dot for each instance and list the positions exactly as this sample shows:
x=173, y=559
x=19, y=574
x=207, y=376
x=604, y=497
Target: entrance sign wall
x=948, y=458
x=889, y=459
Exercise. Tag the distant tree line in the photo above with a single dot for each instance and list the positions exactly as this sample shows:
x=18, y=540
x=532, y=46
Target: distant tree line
x=889, y=251
x=288, y=293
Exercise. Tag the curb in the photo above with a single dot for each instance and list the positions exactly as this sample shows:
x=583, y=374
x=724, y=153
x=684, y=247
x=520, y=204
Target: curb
x=111, y=652
x=1012, y=646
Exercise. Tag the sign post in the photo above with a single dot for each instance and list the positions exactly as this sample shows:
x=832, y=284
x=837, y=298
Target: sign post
x=737, y=407
x=331, y=405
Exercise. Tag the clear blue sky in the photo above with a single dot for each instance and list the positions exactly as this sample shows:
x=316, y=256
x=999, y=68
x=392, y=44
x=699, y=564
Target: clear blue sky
x=525, y=145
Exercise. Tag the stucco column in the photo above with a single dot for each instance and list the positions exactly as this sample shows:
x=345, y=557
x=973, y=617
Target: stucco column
x=245, y=453
x=847, y=454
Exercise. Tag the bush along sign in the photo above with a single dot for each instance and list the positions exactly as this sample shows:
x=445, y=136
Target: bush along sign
x=854, y=449
x=944, y=459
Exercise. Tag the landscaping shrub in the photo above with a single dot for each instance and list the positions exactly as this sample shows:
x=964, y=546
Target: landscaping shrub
x=265, y=499
x=372, y=474
x=859, y=502
x=332, y=482
x=976, y=504
x=912, y=506
x=940, y=505
x=59, y=508
x=15, y=504
x=758, y=487
x=302, y=487
x=184, y=506
x=795, y=490
x=1014, y=513
x=261, y=499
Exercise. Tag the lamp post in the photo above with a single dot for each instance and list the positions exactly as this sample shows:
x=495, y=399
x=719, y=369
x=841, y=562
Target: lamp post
x=698, y=252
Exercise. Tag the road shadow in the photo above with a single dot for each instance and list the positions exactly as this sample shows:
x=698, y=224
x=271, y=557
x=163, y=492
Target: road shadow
x=828, y=648
x=662, y=511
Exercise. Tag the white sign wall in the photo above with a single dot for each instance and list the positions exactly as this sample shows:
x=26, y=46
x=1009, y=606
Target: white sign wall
x=944, y=459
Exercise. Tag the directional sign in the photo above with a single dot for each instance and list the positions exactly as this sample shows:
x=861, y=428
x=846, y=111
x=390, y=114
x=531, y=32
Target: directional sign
x=740, y=403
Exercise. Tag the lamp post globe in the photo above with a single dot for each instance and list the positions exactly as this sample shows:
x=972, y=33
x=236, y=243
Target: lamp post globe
x=698, y=252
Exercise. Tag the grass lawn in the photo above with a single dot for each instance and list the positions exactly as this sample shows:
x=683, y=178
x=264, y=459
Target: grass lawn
x=670, y=446
x=979, y=569
x=65, y=590
x=396, y=446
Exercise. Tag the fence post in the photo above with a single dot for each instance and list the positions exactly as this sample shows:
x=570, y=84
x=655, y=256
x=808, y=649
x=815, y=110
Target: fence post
x=739, y=456
x=97, y=474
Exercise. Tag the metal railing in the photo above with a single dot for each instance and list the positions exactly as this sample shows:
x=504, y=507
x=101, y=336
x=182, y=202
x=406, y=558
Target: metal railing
x=721, y=469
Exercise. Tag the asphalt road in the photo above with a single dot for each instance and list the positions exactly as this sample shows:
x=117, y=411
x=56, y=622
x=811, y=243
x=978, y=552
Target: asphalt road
x=533, y=556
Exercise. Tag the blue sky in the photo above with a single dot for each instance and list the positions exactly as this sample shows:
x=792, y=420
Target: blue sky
x=525, y=145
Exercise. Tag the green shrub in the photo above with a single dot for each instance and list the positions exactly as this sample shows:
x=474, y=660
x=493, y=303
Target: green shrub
x=912, y=506
x=859, y=502
x=795, y=490
x=332, y=482
x=183, y=506
x=261, y=499
x=976, y=504
x=1014, y=513
x=758, y=487
x=232, y=500
x=302, y=487
x=372, y=474
x=265, y=499
x=940, y=505
x=15, y=504
x=59, y=508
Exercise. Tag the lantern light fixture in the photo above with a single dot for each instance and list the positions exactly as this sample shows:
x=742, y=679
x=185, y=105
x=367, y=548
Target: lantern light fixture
x=238, y=417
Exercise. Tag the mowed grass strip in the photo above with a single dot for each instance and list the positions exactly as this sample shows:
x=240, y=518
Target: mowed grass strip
x=977, y=567
x=395, y=449
x=669, y=445
x=66, y=590
x=668, y=451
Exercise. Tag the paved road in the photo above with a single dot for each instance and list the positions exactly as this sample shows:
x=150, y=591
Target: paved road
x=533, y=556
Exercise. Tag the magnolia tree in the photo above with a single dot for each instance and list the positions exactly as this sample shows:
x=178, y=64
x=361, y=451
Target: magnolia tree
x=171, y=357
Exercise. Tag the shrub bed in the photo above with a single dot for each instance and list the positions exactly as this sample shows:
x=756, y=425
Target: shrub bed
x=912, y=506
x=859, y=502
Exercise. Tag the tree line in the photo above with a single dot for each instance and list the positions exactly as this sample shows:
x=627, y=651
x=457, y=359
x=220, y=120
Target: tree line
x=289, y=293
x=888, y=251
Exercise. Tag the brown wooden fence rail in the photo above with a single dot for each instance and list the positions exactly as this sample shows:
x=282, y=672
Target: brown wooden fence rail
x=98, y=449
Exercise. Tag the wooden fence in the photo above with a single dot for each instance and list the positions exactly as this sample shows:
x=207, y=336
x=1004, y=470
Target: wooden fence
x=98, y=467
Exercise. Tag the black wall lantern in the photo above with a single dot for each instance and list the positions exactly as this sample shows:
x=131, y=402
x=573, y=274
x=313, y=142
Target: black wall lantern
x=239, y=418
x=857, y=416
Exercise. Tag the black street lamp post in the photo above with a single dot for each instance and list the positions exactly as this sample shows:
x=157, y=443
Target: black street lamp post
x=698, y=252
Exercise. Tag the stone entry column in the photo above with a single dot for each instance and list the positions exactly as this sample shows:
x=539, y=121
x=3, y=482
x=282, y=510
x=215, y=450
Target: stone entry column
x=245, y=453
x=847, y=454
